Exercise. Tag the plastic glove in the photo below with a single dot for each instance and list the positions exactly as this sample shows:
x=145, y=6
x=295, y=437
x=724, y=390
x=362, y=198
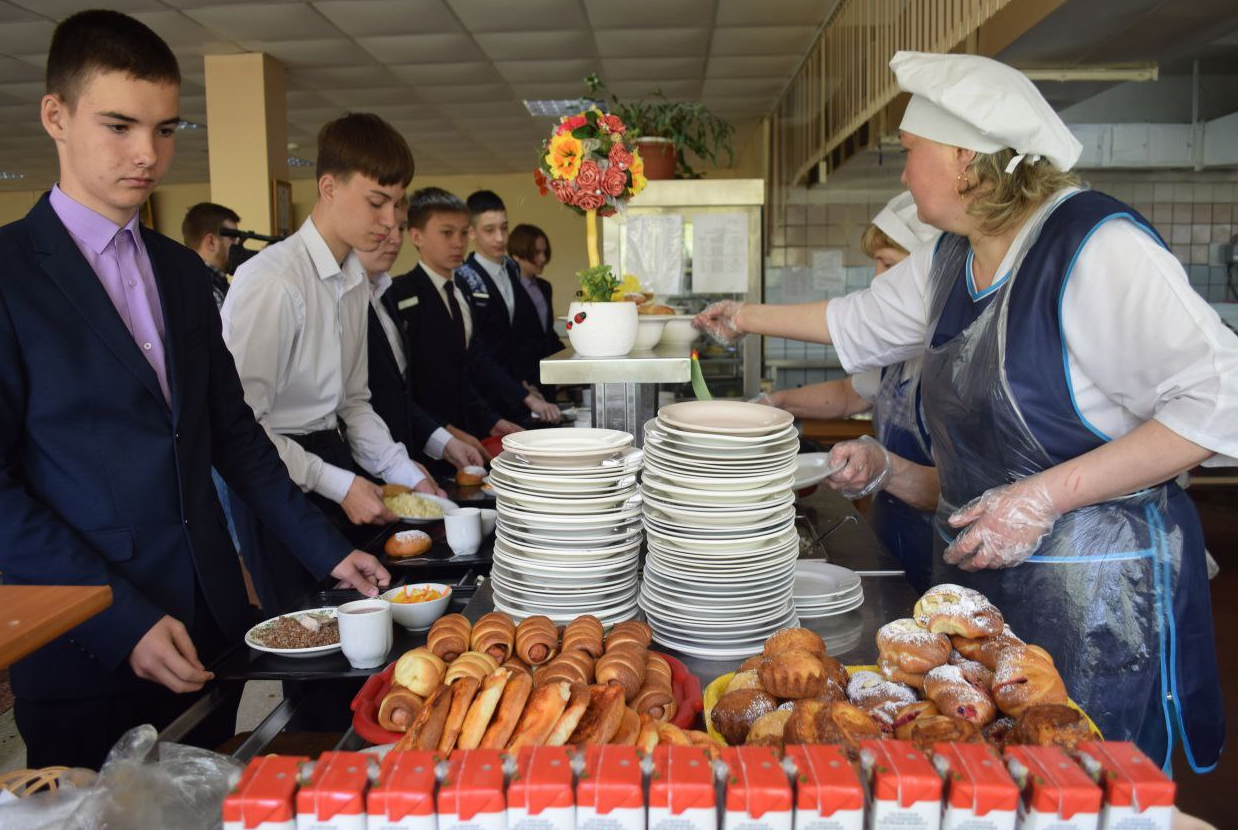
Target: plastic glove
x=866, y=468
x=718, y=320
x=764, y=399
x=1008, y=523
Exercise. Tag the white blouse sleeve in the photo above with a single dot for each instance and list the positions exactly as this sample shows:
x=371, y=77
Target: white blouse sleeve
x=886, y=322
x=1142, y=344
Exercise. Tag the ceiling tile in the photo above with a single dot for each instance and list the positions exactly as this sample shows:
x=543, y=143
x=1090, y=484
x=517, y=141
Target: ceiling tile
x=17, y=38
x=466, y=93
x=528, y=46
x=651, y=69
x=546, y=91
x=475, y=72
x=405, y=112
x=471, y=110
x=10, y=13
x=13, y=70
x=407, y=49
x=654, y=14
x=309, y=120
x=60, y=9
x=654, y=43
x=546, y=70
x=773, y=12
x=368, y=97
x=674, y=90
x=177, y=29
x=340, y=77
x=27, y=91
x=264, y=21
x=752, y=66
x=193, y=4
x=724, y=87
x=363, y=18
x=294, y=99
x=727, y=105
x=296, y=54
x=761, y=40
x=526, y=15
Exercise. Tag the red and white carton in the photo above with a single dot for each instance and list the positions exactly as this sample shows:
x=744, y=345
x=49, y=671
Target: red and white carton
x=403, y=797
x=540, y=796
x=334, y=798
x=828, y=793
x=904, y=789
x=980, y=794
x=610, y=794
x=682, y=793
x=1056, y=794
x=472, y=796
x=1138, y=795
x=265, y=797
x=758, y=794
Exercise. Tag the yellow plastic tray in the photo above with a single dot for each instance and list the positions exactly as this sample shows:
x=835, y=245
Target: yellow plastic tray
x=716, y=687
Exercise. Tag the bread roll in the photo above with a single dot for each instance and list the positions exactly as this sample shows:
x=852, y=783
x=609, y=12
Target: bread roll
x=630, y=631
x=584, y=633
x=463, y=691
x=542, y=711
x=398, y=709
x=948, y=688
x=1025, y=676
x=474, y=664
x=427, y=727
x=576, y=707
x=449, y=636
x=507, y=714
x=482, y=709
x=537, y=640
x=495, y=634
x=624, y=665
x=603, y=717
x=629, y=728
x=953, y=609
x=405, y=544
x=420, y=671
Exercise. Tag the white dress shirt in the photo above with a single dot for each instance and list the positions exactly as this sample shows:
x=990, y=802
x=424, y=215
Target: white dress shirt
x=439, y=283
x=437, y=441
x=498, y=273
x=295, y=322
x=1139, y=342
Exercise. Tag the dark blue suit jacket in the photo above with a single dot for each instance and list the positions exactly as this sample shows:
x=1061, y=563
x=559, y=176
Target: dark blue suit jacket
x=102, y=483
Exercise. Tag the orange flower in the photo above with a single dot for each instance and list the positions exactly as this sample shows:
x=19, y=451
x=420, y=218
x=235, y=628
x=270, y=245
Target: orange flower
x=564, y=156
x=637, y=169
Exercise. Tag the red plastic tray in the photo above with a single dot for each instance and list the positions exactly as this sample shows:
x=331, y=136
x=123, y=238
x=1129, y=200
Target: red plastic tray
x=685, y=685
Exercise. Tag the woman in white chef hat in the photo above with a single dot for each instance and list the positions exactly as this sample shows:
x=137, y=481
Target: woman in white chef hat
x=1070, y=374
x=904, y=488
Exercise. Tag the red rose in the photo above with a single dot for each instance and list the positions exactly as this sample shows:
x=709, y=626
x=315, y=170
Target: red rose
x=569, y=124
x=589, y=200
x=620, y=156
x=614, y=181
x=563, y=191
x=608, y=210
x=540, y=178
x=612, y=124
x=590, y=176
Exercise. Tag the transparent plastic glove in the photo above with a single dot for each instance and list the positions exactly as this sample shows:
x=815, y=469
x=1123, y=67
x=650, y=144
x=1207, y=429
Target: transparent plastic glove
x=764, y=399
x=1007, y=525
x=718, y=320
x=867, y=468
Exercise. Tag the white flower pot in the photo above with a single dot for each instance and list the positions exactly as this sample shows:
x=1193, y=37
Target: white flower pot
x=602, y=329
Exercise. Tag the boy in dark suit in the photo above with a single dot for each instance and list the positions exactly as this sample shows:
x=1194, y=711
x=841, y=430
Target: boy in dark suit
x=443, y=356
x=504, y=313
x=117, y=395
x=529, y=246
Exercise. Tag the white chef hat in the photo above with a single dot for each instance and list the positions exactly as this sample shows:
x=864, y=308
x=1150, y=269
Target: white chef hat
x=982, y=105
x=899, y=221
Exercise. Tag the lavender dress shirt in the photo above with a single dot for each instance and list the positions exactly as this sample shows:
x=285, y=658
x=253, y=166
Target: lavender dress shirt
x=120, y=261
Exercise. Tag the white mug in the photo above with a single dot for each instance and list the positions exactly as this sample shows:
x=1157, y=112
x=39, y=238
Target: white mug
x=463, y=530
x=489, y=520
x=365, y=632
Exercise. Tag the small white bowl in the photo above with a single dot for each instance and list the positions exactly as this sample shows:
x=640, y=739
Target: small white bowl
x=418, y=616
x=679, y=331
x=648, y=333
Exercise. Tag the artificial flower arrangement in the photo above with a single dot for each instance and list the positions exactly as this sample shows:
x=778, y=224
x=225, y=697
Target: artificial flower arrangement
x=590, y=163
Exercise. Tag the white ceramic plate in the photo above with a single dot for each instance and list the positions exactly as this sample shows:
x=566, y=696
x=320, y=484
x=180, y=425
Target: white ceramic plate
x=813, y=468
x=686, y=458
x=601, y=518
x=725, y=417
x=731, y=557
x=565, y=555
x=537, y=540
x=706, y=584
x=776, y=523
x=317, y=651
x=558, y=503
x=607, y=616
x=628, y=460
x=564, y=582
x=562, y=601
x=739, y=516
x=566, y=440
x=703, y=480
x=823, y=580
x=811, y=614
x=518, y=564
x=688, y=544
x=535, y=482
x=711, y=607
x=841, y=599
x=712, y=439
x=446, y=504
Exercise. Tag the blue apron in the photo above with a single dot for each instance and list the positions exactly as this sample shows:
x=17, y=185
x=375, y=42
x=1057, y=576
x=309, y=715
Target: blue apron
x=898, y=421
x=1118, y=592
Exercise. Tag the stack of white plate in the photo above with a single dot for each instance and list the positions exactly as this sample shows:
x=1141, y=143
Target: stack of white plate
x=569, y=532
x=825, y=590
x=720, y=523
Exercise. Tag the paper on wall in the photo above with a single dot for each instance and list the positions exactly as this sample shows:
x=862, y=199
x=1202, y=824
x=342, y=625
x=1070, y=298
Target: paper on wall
x=828, y=276
x=654, y=252
x=720, y=253
x=797, y=285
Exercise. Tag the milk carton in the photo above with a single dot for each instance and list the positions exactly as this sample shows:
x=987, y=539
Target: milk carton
x=758, y=795
x=471, y=796
x=828, y=793
x=1138, y=796
x=265, y=797
x=610, y=794
x=980, y=794
x=904, y=789
x=403, y=797
x=1056, y=793
x=334, y=796
x=682, y=794
x=540, y=796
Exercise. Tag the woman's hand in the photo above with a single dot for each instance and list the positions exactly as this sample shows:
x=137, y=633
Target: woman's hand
x=867, y=468
x=1007, y=525
x=720, y=321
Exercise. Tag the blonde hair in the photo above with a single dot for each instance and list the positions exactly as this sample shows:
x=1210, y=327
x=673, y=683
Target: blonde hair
x=999, y=199
x=875, y=239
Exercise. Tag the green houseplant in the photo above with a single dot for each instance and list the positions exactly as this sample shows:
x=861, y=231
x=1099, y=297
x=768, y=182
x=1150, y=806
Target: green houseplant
x=680, y=127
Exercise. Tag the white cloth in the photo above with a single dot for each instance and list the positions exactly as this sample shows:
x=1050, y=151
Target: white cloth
x=498, y=273
x=900, y=221
x=295, y=322
x=1140, y=343
x=437, y=442
x=867, y=384
x=439, y=283
x=983, y=105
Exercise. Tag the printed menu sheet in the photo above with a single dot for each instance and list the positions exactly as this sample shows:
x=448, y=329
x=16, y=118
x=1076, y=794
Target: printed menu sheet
x=655, y=252
x=720, y=253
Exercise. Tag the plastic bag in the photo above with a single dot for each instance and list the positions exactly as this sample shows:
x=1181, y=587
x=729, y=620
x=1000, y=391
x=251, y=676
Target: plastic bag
x=144, y=785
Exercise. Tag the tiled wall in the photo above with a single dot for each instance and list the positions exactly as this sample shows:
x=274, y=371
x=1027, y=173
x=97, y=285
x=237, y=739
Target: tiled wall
x=1196, y=213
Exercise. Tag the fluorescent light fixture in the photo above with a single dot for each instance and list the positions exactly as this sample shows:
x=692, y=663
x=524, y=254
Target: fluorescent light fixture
x=297, y=161
x=1095, y=72
x=190, y=125
x=7, y=176
x=559, y=107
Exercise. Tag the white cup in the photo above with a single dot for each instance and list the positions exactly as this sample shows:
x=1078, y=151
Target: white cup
x=489, y=520
x=365, y=632
x=463, y=530
x=584, y=418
